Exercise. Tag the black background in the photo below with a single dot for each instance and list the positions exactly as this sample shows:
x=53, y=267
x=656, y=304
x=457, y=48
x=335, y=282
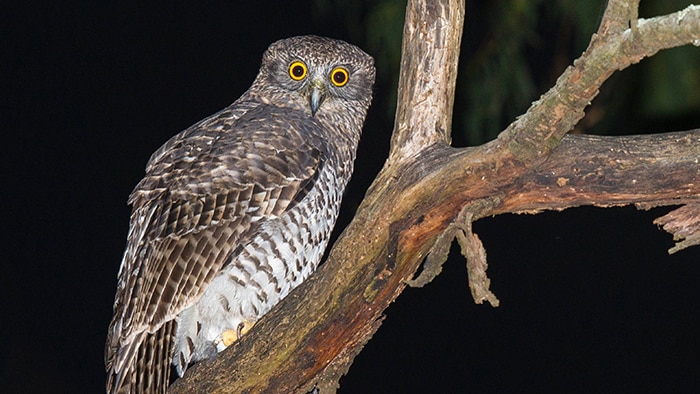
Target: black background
x=590, y=300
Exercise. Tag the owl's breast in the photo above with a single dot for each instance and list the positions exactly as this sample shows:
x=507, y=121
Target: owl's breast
x=285, y=250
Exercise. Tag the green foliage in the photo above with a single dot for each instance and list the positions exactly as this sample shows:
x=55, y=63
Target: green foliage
x=494, y=81
x=661, y=93
x=520, y=50
x=384, y=33
x=670, y=83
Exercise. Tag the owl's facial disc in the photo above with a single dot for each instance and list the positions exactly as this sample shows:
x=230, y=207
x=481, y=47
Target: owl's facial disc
x=317, y=95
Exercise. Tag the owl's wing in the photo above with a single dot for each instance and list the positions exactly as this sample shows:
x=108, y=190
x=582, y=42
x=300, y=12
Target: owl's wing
x=204, y=193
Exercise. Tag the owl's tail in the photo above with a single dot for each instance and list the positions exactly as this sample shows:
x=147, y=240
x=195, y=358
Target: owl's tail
x=142, y=365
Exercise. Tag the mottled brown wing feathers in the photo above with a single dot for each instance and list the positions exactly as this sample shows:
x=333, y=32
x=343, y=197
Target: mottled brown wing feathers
x=199, y=200
x=150, y=354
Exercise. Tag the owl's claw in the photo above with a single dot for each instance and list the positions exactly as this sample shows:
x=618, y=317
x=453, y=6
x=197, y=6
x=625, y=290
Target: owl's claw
x=228, y=337
x=244, y=327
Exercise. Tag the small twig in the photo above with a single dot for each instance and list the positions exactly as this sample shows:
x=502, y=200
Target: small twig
x=475, y=254
x=684, y=224
x=436, y=258
x=472, y=249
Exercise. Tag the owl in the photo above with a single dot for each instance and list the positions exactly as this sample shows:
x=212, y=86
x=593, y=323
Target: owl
x=236, y=211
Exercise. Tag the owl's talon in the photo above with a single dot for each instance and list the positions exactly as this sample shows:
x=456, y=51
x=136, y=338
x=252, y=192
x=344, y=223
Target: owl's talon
x=228, y=337
x=244, y=327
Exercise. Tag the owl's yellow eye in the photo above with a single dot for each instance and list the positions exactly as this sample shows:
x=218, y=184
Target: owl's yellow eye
x=297, y=70
x=339, y=76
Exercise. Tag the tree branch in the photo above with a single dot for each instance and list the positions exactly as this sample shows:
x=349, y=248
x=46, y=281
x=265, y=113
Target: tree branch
x=534, y=135
x=610, y=171
x=684, y=224
x=429, y=55
x=618, y=16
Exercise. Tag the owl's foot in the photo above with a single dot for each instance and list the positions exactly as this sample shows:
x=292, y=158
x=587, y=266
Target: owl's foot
x=228, y=337
x=244, y=327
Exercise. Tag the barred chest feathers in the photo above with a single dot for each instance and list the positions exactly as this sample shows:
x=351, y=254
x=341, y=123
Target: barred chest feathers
x=284, y=253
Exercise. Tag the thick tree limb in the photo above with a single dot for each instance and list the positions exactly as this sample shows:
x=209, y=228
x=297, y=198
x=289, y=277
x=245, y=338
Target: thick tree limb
x=430, y=52
x=312, y=336
x=610, y=171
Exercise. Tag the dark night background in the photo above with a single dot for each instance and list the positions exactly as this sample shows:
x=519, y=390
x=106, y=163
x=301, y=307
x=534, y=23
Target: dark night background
x=590, y=299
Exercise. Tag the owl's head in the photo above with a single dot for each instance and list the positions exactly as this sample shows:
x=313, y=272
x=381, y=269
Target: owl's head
x=317, y=74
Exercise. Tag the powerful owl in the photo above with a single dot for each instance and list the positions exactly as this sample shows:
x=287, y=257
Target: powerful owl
x=236, y=211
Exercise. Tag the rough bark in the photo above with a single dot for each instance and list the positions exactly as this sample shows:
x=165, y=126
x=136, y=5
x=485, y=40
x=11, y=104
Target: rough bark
x=428, y=193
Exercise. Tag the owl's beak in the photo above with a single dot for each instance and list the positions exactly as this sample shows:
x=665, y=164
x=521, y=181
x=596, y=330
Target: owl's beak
x=316, y=97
